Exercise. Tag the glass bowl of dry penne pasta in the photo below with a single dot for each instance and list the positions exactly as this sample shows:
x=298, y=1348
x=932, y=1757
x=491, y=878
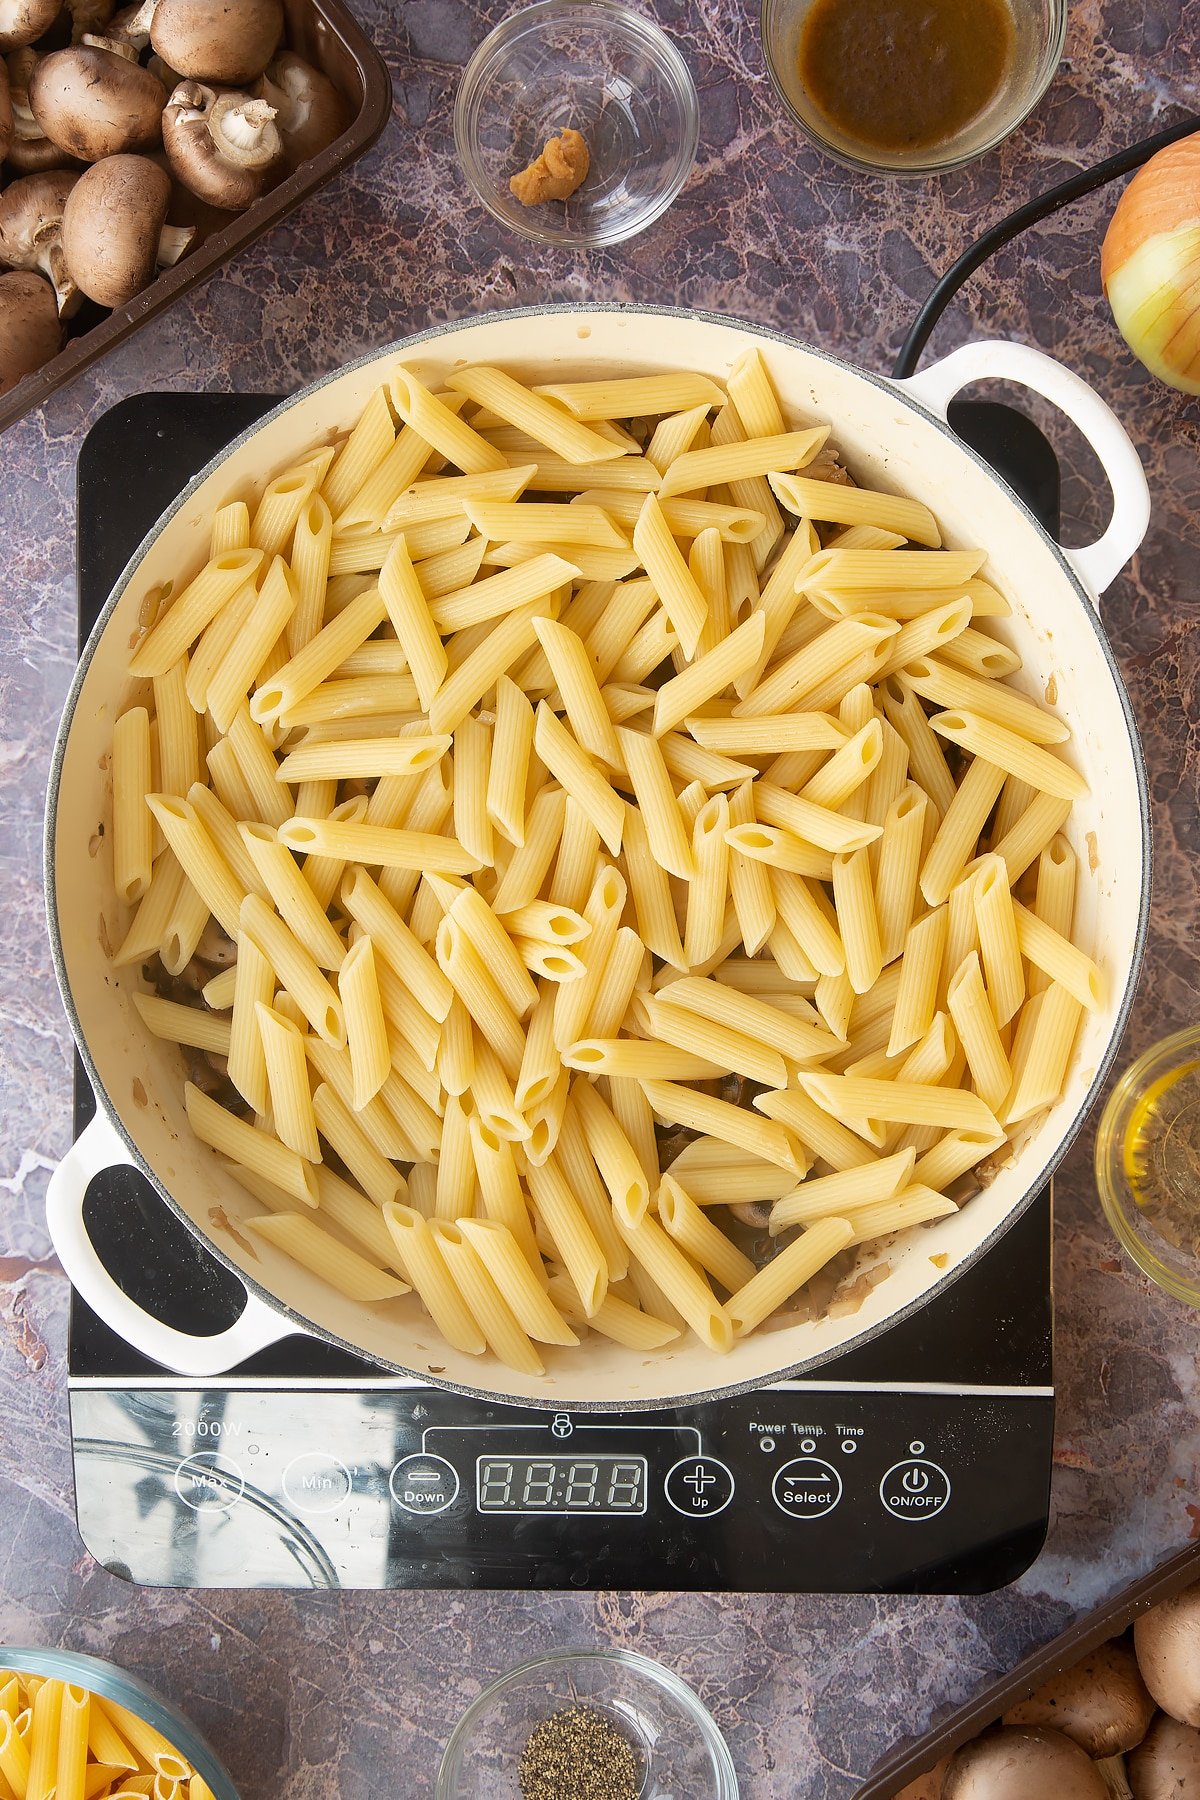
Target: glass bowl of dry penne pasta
x=620, y=868
x=83, y=1729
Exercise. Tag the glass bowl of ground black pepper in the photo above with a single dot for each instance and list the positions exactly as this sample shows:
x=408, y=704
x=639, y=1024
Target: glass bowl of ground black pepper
x=587, y=1725
x=911, y=87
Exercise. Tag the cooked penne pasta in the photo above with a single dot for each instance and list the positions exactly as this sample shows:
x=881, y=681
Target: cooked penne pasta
x=785, y=1273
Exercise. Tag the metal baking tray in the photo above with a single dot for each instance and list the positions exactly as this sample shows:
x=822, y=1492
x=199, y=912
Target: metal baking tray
x=325, y=34
x=907, y=1761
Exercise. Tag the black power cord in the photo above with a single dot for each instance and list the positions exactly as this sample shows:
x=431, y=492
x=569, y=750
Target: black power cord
x=1032, y=213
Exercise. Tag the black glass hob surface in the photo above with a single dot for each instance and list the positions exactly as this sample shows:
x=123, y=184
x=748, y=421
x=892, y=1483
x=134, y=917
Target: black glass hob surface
x=916, y=1463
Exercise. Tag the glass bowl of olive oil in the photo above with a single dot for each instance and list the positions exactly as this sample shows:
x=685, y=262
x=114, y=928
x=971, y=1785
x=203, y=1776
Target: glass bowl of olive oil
x=1148, y=1163
x=911, y=87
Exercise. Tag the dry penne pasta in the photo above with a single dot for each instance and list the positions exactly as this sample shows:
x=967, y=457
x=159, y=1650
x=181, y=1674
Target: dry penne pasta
x=391, y=855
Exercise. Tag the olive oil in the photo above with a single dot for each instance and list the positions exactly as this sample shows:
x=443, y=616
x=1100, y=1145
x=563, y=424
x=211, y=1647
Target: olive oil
x=1161, y=1155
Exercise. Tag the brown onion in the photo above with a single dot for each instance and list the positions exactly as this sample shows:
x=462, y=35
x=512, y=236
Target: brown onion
x=1150, y=265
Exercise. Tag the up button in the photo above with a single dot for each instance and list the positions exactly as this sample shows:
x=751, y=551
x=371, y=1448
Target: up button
x=915, y=1488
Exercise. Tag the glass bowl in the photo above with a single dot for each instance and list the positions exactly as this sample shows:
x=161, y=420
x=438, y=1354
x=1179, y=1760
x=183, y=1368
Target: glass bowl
x=1040, y=30
x=1153, y=1117
x=113, y=1683
x=602, y=69
x=683, y=1755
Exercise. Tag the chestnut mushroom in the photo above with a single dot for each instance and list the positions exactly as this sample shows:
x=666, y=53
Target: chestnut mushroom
x=30, y=151
x=1019, y=1762
x=1167, y=1641
x=22, y=21
x=30, y=330
x=309, y=111
x=89, y=16
x=1166, y=1764
x=225, y=41
x=93, y=101
x=927, y=1786
x=221, y=147
x=1101, y=1702
x=31, y=212
x=113, y=231
x=6, y=112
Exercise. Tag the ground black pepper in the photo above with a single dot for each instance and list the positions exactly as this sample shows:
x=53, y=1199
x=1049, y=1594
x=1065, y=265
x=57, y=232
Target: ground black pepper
x=578, y=1754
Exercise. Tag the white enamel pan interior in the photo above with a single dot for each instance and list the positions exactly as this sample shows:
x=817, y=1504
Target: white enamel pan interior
x=894, y=437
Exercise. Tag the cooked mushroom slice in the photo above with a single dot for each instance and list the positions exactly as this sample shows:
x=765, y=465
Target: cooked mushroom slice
x=1102, y=1702
x=94, y=102
x=1020, y=1762
x=30, y=332
x=221, y=146
x=22, y=21
x=89, y=15
x=1167, y=1641
x=210, y=40
x=309, y=111
x=1166, y=1765
x=31, y=213
x=113, y=233
x=6, y=112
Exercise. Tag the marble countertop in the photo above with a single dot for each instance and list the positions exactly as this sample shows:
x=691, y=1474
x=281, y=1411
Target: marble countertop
x=350, y=1695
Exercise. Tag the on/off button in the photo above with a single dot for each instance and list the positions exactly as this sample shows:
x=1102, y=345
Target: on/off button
x=914, y=1489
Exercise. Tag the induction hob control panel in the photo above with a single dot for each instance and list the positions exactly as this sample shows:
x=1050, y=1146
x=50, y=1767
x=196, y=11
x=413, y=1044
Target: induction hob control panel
x=796, y=1487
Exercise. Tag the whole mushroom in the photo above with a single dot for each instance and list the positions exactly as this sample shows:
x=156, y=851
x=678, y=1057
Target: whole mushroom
x=1166, y=1765
x=88, y=16
x=225, y=41
x=93, y=101
x=1101, y=1702
x=221, y=147
x=927, y=1786
x=1023, y=1762
x=6, y=112
x=21, y=21
x=1167, y=1641
x=309, y=111
x=30, y=331
x=30, y=152
x=113, y=231
x=31, y=214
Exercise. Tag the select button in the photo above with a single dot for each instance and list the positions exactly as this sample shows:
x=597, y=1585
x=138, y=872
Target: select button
x=424, y=1484
x=807, y=1488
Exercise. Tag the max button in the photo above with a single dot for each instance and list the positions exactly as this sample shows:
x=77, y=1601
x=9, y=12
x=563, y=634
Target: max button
x=208, y=1483
x=699, y=1487
x=424, y=1484
x=914, y=1489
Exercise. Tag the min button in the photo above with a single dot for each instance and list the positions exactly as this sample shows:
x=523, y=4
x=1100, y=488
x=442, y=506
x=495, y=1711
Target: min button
x=316, y=1483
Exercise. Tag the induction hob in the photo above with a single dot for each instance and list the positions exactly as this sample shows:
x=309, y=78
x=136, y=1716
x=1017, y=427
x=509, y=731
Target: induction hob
x=916, y=1463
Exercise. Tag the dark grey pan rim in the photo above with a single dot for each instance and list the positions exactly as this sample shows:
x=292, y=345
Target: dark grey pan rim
x=556, y=1402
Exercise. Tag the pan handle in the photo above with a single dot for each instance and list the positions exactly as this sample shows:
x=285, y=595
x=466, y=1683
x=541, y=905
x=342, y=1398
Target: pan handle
x=997, y=359
x=98, y=1148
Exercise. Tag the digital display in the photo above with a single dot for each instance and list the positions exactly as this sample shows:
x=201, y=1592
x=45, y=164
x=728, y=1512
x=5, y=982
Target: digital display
x=561, y=1484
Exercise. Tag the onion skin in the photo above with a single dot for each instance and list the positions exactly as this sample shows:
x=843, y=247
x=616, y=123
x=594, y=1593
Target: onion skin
x=1150, y=265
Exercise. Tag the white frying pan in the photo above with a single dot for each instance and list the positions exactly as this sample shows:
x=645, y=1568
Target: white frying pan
x=893, y=436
